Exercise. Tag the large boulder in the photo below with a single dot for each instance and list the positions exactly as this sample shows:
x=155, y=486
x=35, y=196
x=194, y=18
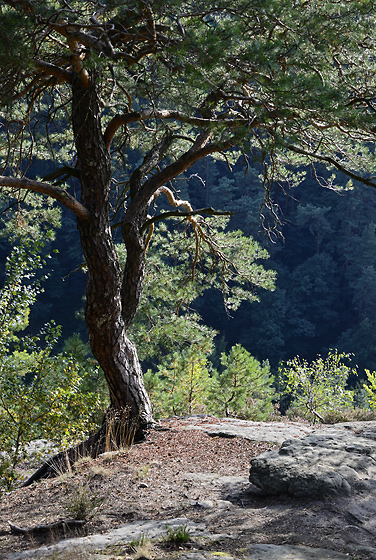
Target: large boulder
x=331, y=461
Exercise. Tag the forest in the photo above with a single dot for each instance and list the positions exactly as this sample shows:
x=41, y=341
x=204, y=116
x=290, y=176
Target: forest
x=324, y=294
x=187, y=216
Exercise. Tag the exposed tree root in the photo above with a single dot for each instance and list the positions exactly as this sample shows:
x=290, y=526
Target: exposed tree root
x=65, y=525
x=117, y=431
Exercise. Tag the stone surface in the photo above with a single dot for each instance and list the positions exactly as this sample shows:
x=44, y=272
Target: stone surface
x=289, y=552
x=123, y=534
x=336, y=460
x=273, y=432
x=333, y=460
x=272, y=552
x=204, y=556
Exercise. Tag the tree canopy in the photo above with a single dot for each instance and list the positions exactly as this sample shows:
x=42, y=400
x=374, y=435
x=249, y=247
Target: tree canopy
x=122, y=98
x=188, y=79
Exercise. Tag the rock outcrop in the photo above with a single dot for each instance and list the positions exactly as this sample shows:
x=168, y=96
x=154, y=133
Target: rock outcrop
x=332, y=461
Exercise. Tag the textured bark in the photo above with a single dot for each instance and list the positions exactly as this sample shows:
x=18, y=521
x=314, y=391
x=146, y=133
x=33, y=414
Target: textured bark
x=106, y=317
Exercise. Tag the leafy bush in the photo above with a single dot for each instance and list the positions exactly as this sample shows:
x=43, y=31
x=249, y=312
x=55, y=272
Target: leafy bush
x=370, y=388
x=41, y=395
x=318, y=387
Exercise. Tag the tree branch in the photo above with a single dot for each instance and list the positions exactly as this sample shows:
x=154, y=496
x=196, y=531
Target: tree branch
x=179, y=214
x=198, y=151
x=61, y=74
x=333, y=162
x=120, y=120
x=149, y=163
x=57, y=193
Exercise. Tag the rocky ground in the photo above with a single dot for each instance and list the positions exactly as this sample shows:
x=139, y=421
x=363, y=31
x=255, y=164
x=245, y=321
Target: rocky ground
x=191, y=476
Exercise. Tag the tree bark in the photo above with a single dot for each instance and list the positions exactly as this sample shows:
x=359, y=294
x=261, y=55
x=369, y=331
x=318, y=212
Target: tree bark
x=108, y=315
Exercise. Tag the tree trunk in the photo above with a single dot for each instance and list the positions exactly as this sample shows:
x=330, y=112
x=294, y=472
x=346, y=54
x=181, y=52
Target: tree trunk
x=110, y=308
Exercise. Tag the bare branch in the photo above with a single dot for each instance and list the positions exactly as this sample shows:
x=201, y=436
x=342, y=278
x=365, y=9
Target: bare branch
x=57, y=193
x=179, y=214
x=335, y=163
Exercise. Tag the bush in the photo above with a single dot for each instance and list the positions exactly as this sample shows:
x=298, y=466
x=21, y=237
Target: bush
x=318, y=388
x=188, y=384
x=349, y=415
x=41, y=396
x=370, y=388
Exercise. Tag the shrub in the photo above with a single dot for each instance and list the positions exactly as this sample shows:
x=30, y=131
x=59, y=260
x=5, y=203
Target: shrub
x=178, y=535
x=82, y=504
x=41, y=396
x=188, y=384
x=318, y=387
x=370, y=388
x=349, y=415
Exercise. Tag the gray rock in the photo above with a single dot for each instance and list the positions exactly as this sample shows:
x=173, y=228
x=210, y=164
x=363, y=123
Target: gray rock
x=288, y=552
x=273, y=552
x=203, y=504
x=123, y=534
x=272, y=432
x=204, y=556
x=328, y=462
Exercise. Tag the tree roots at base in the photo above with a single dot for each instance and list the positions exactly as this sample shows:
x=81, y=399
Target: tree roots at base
x=117, y=431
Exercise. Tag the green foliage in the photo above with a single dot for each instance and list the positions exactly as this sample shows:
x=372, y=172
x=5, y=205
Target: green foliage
x=92, y=380
x=179, y=272
x=34, y=218
x=178, y=535
x=370, y=388
x=82, y=503
x=20, y=291
x=41, y=395
x=244, y=388
x=184, y=382
x=319, y=386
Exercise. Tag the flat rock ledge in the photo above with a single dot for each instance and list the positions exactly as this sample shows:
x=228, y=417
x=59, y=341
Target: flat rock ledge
x=124, y=534
x=272, y=432
x=273, y=552
x=333, y=461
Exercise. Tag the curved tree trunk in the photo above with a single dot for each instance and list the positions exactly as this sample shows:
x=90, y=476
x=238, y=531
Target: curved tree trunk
x=107, y=317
